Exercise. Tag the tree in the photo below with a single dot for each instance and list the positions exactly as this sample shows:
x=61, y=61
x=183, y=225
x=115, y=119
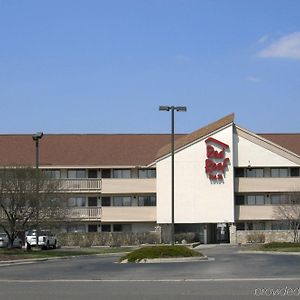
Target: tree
x=289, y=213
x=29, y=199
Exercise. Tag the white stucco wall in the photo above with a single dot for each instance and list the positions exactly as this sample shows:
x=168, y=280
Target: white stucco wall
x=197, y=199
x=246, y=151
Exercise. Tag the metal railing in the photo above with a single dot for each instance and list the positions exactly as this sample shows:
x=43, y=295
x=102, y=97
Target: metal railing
x=89, y=184
x=93, y=213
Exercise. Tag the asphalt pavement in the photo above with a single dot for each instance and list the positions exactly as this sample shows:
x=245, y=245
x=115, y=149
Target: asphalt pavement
x=231, y=275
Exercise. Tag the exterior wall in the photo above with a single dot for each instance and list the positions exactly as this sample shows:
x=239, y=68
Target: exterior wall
x=143, y=227
x=128, y=186
x=266, y=184
x=256, y=212
x=128, y=214
x=247, y=153
x=197, y=199
x=269, y=235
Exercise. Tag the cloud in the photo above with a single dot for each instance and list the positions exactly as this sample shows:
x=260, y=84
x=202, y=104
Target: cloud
x=253, y=79
x=286, y=47
x=263, y=39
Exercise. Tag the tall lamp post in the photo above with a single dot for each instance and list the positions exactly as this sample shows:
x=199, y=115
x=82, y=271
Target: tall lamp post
x=36, y=138
x=172, y=109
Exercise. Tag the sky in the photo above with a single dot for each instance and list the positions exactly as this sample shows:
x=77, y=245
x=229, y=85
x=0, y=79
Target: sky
x=84, y=66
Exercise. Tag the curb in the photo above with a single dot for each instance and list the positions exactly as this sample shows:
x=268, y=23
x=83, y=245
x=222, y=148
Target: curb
x=171, y=260
x=268, y=252
x=5, y=263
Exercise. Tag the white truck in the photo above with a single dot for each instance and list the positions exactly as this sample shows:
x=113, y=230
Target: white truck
x=46, y=239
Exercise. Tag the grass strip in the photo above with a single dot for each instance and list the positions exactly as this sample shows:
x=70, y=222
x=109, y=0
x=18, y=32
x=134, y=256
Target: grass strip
x=159, y=252
x=13, y=254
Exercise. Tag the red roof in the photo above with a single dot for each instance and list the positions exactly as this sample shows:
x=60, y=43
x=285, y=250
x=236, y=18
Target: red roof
x=290, y=141
x=82, y=149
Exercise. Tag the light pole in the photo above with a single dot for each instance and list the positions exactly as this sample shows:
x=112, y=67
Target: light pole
x=172, y=109
x=36, y=137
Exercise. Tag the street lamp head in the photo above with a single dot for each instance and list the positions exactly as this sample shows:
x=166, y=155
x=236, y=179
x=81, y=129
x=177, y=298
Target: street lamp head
x=165, y=108
x=37, y=136
x=180, y=108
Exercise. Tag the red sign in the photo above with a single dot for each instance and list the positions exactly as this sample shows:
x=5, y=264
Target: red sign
x=216, y=162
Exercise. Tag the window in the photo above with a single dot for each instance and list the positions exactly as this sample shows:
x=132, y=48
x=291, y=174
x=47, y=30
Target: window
x=122, y=201
x=279, y=199
x=252, y=172
x=117, y=227
x=147, y=173
x=279, y=172
x=77, y=202
x=147, y=201
x=239, y=200
x=105, y=227
x=92, y=173
x=255, y=199
x=53, y=174
x=280, y=225
x=240, y=226
x=259, y=226
x=92, y=227
x=122, y=173
x=106, y=173
x=92, y=201
x=249, y=226
x=239, y=172
x=76, y=228
x=295, y=172
x=105, y=201
x=76, y=173
x=121, y=227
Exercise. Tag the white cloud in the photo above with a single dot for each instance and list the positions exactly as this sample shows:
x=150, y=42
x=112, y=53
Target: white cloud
x=253, y=79
x=263, y=39
x=286, y=47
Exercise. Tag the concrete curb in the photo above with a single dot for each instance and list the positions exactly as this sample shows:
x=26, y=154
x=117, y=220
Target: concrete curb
x=268, y=252
x=34, y=260
x=171, y=260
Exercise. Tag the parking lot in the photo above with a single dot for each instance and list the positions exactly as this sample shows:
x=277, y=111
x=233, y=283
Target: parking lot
x=231, y=275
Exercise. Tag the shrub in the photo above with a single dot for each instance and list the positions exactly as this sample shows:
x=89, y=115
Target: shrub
x=159, y=252
x=256, y=237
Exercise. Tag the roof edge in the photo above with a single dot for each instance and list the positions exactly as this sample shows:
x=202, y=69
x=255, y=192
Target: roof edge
x=196, y=135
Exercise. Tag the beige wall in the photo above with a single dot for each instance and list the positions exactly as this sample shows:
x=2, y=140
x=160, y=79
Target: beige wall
x=256, y=212
x=197, y=199
x=128, y=214
x=128, y=186
x=251, y=185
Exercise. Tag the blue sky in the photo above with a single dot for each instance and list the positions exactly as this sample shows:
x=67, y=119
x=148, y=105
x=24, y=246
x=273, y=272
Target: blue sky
x=105, y=66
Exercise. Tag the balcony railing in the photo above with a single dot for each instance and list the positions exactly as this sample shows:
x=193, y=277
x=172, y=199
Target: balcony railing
x=89, y=213
x=82, y=185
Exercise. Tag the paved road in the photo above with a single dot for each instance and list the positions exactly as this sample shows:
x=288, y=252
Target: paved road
x=230, y=276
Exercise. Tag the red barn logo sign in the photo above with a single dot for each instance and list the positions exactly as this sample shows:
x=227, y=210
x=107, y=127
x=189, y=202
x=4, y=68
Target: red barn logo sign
x=216, y=162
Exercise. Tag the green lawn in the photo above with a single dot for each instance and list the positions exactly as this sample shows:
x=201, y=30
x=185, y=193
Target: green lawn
x=280, y=247
x=12, y=254
x=159, y=252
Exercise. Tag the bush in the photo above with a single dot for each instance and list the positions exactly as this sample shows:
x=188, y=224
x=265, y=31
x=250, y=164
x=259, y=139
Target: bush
x=160, y=252
x=189, y=237
x=281, y=245
x=113, y=239
x=256, y=238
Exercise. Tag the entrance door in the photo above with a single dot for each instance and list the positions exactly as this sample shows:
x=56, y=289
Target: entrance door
x=222, y=232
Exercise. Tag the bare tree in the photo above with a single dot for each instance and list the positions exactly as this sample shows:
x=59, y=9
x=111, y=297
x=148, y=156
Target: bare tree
x=28, y=199
x=289, y=213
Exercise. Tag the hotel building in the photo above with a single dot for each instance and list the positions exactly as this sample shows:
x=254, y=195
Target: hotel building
x=228, y=180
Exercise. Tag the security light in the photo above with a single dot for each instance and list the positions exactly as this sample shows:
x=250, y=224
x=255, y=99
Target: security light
x=166, y=108
x=37, y=136
x=180, y=108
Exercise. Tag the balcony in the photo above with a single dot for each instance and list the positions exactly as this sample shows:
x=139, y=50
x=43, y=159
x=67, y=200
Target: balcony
x=266, y=184
x=85, y=213
x=129, y=214
x=256, y=212
x=128, y=186
x=80, y=185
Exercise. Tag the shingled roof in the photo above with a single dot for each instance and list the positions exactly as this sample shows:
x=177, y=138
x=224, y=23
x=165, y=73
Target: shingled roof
x=198, y=134
x=82, y=149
